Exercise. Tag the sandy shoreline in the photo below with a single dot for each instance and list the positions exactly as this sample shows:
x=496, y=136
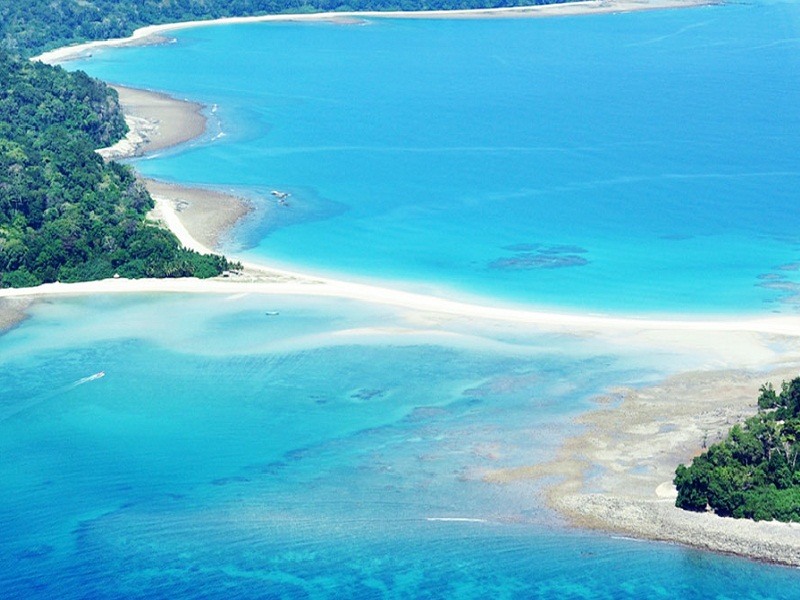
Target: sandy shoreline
x=13, y=312
x=617, y=475
x=207, y=216
x=258, y=279
x=153, y=34
x=155, y=121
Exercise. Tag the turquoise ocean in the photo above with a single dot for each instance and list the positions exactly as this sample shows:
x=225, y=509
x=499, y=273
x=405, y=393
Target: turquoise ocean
x=619, y=163
x=640, y=163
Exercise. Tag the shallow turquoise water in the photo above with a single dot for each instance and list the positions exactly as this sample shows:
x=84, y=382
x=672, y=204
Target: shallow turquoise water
x=624, y=163
x=637, y=163
x=231, y=454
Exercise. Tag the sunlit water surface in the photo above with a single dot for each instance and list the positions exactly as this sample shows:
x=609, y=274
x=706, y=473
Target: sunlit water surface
x=332, y=450
x=636, y=163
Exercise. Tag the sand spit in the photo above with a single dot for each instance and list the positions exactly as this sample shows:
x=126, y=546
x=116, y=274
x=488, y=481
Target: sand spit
x=155, y=121
x=205, y=215
x=617, y=475
x=154, y=34
x=258, y=279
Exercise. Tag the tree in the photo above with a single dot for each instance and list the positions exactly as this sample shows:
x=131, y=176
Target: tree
x=754, y=472
x=65, y=214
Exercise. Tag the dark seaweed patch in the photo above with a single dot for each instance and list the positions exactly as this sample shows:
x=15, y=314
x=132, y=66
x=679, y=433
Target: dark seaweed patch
x=529, y=260
x=541, y=256
x=229, y=480
x=793, y=266
x=367, y=394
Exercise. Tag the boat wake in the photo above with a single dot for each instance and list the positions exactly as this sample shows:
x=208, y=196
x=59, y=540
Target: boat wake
x=42, y=398
x=89, y=378
x=456, y=519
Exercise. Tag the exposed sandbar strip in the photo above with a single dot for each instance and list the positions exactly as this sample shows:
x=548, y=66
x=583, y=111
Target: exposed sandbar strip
x=155, y=33
x=261, y=280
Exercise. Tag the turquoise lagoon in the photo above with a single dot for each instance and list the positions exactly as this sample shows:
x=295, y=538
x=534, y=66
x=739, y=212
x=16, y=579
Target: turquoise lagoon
x=639, y=163
x=227, y=453
x=624, y=163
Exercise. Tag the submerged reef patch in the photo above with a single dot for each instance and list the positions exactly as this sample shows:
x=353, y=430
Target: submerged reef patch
x=788, y=291
x=540, y=256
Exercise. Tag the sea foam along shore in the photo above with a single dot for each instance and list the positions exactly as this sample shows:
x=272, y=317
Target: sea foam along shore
x=154, y=33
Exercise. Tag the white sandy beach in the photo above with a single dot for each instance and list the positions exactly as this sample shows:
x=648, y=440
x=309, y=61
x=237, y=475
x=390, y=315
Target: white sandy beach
x=633, y=444
x=155, y=33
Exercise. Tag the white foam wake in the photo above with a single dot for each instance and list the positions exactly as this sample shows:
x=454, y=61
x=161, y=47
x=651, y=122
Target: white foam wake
x=456, y=519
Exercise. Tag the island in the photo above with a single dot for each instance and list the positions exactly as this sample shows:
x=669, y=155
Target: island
x=754, y=472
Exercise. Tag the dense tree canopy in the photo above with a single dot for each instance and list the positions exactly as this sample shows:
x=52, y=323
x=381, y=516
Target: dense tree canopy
x=31, y=26
x=754, y=473
x=65, y=215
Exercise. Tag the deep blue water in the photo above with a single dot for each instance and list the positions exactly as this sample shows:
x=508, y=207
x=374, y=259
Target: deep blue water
x=231, y=454
x=625, y=163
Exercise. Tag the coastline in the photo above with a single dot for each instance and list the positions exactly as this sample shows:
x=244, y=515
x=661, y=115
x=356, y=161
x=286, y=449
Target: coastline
x=263, y=280
x=200, y=217
x=154, y=34
x=205, y=217
x=616, y=476
x=634, y=447
x=156, y=121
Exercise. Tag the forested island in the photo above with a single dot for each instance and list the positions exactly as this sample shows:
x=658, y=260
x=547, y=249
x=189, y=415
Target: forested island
x=65, y=214
x=754, y=472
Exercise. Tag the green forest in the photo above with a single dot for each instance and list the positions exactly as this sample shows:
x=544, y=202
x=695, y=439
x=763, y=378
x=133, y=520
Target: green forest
x=29, y=27
x=754, y=472
x=65, y=215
